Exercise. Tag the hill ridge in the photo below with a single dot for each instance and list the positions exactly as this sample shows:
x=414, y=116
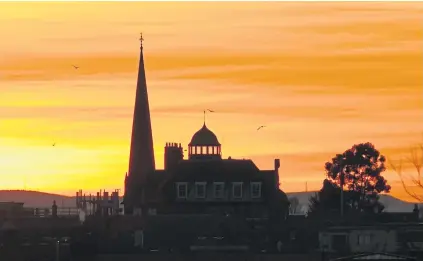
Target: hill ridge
x=45, y=199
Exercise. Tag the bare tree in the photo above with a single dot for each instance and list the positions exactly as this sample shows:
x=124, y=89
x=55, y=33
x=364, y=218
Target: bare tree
x=412, y=183
x=294, y=205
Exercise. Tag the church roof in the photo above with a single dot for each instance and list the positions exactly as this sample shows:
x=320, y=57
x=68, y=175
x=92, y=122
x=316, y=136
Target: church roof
x=215, y=169
x=204, y=137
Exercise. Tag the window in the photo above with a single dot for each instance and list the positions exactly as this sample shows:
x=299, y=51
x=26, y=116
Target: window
x=237, y=189
x=182, y=189
x=339, y=243
x=255, y=189
x=218, y=189
x=152, y=211
x=364, y=239
x=200, y=189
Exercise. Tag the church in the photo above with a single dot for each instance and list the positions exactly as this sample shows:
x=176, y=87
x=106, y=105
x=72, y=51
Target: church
x=202, y=182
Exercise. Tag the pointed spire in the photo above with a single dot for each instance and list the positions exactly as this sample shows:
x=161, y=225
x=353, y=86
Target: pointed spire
x=141, y=158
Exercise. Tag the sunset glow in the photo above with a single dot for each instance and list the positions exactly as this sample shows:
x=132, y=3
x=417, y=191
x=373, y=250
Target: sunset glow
x=320, y=76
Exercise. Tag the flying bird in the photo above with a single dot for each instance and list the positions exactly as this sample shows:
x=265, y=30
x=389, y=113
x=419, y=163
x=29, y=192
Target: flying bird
x=210, y=110
x=261, y=127
x=54, y=144
x=76, y=67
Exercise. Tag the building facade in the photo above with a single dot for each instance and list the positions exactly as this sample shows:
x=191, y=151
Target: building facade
x=202, y=182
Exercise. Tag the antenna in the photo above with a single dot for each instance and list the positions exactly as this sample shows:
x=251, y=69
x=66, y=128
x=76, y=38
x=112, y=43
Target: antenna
x=204, y=117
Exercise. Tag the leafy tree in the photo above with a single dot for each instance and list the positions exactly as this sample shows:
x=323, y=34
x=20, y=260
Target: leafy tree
x=359, y=170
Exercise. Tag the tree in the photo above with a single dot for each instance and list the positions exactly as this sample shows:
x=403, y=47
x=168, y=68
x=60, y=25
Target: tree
x=326, y=200
x=359, y=170
x=412, y=184
x=294, y=205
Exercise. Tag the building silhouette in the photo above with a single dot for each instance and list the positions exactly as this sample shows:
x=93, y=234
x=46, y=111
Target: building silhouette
x=202, y=183
x=141, y=158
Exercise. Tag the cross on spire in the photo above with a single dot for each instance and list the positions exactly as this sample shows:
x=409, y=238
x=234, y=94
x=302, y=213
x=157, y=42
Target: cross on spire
x=141, y=39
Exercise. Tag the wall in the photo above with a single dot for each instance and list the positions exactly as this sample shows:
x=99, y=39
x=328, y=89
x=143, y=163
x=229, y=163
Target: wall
x=227, y=192
x=208, y=256
x=381, y=241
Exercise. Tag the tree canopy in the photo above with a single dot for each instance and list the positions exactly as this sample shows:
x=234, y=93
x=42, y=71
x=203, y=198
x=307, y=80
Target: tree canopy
x=358, y=170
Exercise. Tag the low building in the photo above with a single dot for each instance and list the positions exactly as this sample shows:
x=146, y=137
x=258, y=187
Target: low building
x=375, y=256
x=387, y=238
x=11, y=210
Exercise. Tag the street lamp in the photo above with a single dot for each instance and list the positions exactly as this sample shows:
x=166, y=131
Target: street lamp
x=57, y=250
x=342, y=178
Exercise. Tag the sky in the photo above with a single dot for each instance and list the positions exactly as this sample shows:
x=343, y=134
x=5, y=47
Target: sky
x=320, y=76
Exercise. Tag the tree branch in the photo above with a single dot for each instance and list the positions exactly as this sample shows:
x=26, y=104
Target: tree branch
x=416, y=160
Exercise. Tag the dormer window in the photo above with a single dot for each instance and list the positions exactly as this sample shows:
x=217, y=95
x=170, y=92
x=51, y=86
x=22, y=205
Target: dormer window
x=218, y=189
x=182, y=190
x=255, y=189
x=200, y=189
x=237, y=189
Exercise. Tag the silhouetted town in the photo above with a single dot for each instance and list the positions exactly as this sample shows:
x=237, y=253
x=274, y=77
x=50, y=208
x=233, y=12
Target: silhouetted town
x=202, y=206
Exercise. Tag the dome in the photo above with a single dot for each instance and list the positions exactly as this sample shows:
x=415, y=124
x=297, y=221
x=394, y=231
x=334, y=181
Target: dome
x=204, y=137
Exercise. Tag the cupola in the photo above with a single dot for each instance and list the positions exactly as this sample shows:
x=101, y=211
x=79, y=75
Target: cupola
x=204, y=145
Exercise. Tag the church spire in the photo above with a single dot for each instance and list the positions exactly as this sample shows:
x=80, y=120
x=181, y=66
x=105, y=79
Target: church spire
x=141, y=158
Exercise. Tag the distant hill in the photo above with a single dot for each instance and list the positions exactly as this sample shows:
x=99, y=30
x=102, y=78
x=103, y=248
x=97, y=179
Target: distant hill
x=391, y=203
x=36, y=198
x=45, y=200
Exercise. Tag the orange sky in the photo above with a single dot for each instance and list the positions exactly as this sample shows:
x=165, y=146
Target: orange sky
x=321, y=76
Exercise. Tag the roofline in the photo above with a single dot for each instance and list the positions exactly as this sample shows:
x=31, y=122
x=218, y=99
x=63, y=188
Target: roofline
x=191, y=144
x=374, y=253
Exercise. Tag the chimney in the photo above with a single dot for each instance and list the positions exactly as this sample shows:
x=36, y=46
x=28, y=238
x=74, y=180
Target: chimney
x=77, y=199
x=173, y=155
x=277, y=164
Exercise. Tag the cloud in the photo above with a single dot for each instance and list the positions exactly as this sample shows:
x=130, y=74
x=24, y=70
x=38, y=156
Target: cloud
x=297, y=168
x=322, y=77
x=67, y=114
x=282, y=111
x=310, y=165
x=340, y=74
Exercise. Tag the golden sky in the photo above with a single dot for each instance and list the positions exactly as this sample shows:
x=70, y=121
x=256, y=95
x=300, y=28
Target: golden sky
x=320, y=76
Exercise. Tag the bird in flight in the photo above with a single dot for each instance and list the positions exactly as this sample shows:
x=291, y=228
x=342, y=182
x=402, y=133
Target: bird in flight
x=54, y=144
x=261, y=127
x=76, y=67
x=210, y=110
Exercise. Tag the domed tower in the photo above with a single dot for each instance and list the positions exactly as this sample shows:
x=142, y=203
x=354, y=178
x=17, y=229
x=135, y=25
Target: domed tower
x=204, y=145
